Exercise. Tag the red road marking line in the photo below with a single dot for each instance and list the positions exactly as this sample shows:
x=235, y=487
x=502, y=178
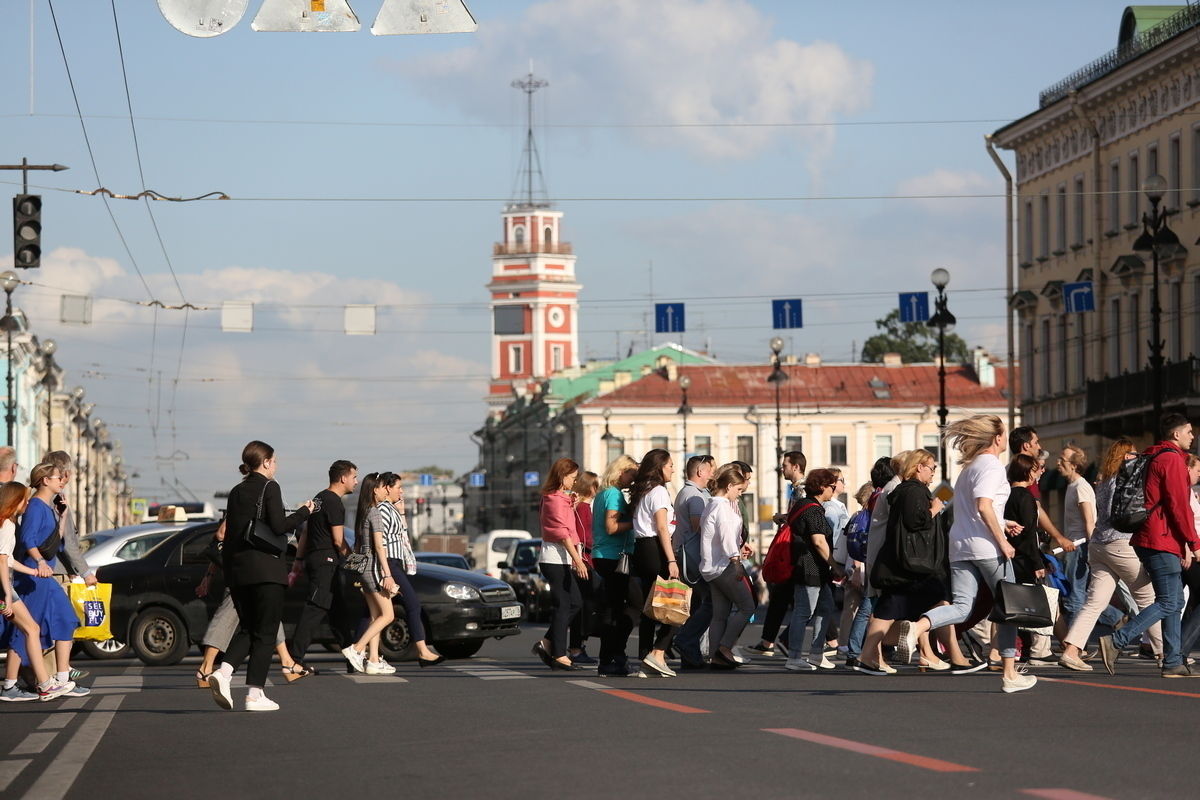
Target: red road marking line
x=1122, y=688
x=651, y=701
x=1062, y=794
x=924, y=762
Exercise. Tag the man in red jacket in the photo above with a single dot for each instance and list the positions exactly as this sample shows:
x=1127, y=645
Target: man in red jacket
x=1166, y=544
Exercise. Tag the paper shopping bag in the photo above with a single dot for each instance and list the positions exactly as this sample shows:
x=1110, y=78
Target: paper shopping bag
x=92, y=604
x=669, y=602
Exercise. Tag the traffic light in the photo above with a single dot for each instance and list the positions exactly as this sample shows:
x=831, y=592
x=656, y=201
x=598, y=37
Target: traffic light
x=27, y=231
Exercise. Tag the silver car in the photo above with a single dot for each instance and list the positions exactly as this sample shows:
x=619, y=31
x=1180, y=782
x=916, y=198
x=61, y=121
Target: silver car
x=126, y=544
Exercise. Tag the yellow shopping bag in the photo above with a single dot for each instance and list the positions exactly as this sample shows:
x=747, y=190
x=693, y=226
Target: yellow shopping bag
x=92, y=604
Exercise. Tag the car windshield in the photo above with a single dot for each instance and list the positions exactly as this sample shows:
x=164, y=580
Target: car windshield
x=446, y=561
x=526, y=555
x=93, y=540
x=501, y=543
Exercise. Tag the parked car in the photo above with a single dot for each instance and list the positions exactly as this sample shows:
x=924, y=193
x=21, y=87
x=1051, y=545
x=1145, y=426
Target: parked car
x=156, y=611
x=445, y=559
x=127, y=543
x=490, y=549
x=520, y=570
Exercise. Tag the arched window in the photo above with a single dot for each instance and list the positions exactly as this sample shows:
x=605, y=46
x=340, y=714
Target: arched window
x=548, y=236
x=519, y=235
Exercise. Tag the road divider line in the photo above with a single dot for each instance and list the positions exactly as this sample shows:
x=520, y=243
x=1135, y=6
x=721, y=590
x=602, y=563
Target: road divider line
x=9, y=770
x=65, y=767
x=924, y=762
x=34, y=743
x=640, y=698
x=1121, y=688
x=1062, y=794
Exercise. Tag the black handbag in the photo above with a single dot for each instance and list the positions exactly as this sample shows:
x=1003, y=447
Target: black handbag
x=1022, y=604
x=259, y=534
x=622, y=567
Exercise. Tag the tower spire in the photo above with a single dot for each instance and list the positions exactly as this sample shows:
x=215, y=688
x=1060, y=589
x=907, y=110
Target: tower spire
x=531, y=163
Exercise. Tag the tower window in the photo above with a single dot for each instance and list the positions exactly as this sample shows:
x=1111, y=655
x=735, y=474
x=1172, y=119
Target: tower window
x=516, y=359
x=548, y=236
x=508, y=320
x=557, y=352
x=519, y=234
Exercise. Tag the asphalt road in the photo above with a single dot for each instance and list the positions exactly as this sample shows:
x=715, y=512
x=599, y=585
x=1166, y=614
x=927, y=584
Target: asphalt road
x=501, y=725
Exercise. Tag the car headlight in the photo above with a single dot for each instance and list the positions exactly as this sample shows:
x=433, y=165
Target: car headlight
x=460, y=591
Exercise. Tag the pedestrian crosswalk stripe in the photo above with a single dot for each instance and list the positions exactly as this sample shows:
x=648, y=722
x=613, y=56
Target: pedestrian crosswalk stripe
x=488, y=673
x=362, y=677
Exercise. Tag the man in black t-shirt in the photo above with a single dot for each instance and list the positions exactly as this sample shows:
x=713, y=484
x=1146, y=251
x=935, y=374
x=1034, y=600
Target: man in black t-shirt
x=318, y=554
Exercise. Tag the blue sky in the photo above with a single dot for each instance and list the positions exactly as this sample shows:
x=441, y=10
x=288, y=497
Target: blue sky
x=420, y=119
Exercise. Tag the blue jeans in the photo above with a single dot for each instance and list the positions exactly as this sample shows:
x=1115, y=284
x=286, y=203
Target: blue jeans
x=858, y=629
x=687, y=639
x=807, y=605
x=965, y=579
x=1075, y=565
x=1165, y=572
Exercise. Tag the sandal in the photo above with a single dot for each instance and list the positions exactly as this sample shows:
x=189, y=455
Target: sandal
x=202, y=680
x=295, y=671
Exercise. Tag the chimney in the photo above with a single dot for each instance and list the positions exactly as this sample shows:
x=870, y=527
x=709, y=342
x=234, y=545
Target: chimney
x=892, y=360
x=812, y=359
x=985, y=371
x=646, y=370
x=672, y=371
x=622, y=377
x=606, y=386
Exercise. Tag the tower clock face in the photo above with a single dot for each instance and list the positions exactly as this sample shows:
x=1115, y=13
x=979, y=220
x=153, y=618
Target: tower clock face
x=556, y=317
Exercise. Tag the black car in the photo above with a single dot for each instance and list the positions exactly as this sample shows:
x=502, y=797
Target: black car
x=156, y=611
x=520, y=571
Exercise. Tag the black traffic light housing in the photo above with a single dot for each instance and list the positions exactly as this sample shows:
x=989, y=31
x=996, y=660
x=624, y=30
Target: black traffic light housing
x=27, y=231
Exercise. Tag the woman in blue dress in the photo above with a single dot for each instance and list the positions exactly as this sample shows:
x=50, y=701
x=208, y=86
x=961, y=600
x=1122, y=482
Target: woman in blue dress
x=38, y=543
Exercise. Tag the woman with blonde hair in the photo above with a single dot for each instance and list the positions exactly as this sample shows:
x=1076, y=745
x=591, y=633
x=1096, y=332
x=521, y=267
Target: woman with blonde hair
x=561, y=562
x=612, y=543
x=1110, y=558
x=980, y=553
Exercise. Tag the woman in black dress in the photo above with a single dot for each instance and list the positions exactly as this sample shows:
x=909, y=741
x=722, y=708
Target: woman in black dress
x=1022, y=508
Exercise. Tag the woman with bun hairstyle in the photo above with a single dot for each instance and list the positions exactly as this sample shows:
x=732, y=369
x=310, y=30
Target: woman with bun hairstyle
x=257, y=579
x=721, y=554
x=653, y=553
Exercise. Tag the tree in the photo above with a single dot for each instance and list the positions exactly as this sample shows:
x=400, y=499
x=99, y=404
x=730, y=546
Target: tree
x=914, y=341
x=435, y=471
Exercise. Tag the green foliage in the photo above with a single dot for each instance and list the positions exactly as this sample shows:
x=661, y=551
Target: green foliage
x=437, y=472
x=916, y=342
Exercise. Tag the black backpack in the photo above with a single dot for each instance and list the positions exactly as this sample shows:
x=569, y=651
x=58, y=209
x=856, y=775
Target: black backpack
x=1128, y=511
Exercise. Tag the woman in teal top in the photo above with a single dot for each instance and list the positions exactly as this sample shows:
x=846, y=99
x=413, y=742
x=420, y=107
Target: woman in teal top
x=612, y=536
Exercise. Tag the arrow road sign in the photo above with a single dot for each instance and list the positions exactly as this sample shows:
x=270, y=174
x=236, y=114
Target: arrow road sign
x=914, y=306
x=1079, y=297
x=787, y=313
x=668, y=318
x=476, y=480
x=425, y=479
x=533, y=478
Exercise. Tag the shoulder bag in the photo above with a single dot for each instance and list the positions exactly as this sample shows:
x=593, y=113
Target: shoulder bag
x=258, y=533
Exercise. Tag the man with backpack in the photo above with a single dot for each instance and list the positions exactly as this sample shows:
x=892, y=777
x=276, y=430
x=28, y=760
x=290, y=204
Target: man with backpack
x=1152, y=491
x=793, y=466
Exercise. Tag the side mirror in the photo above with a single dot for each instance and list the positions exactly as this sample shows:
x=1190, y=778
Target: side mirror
x=503, y=565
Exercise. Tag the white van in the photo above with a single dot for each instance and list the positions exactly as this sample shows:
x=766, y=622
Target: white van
x=492, y=547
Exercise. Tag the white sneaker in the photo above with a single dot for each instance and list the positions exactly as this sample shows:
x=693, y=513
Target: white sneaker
x=906, y=645
x=218, y=684
x=1019, y=683
x=261, y=703
x=800, y=665
x=55, y=689
x=355, y=658
x=659, y=667
x=379, y=667
x=825, y=663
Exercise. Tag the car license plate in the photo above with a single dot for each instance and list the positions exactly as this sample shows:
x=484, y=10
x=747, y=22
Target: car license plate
x=510, y=612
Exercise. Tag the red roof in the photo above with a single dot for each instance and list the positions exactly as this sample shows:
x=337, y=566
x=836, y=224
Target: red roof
x=824, y=385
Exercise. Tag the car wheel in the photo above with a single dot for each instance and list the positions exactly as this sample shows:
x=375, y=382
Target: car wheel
x=396, y=641
x=108, y=649
x=464, y=648
x=159, y=637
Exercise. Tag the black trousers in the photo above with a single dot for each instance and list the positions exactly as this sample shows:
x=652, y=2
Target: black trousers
x=582, y=623
x=620, y=611
x=649, y=564
x=565, y=602
x=779, y=600
x=410, y=599
x=324, y=599
x=260, y=609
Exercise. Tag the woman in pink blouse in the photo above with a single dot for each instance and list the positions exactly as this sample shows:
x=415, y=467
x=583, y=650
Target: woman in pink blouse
x=561, y=562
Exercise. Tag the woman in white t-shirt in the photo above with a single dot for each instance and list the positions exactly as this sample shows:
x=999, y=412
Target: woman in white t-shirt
x=980, y=553
x=653, y=555
x=721, y=554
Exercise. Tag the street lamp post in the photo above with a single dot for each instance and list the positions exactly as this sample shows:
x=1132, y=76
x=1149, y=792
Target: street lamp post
x=777, y=377
x=684, y=409
x=9, y=281
x=1156, y=241
x=944, y=321
x=50, y=384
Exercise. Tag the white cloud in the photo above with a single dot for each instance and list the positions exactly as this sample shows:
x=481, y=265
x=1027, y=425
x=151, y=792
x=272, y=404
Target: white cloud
x=946, y=192
x=668, y=61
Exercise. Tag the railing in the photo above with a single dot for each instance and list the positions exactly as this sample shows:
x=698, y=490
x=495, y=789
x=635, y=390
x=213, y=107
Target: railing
x=531, y=248
x=1185, y=19
x=1133, y=391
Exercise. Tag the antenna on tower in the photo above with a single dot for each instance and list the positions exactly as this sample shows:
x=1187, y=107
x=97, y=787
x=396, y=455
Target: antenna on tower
x=531, y=163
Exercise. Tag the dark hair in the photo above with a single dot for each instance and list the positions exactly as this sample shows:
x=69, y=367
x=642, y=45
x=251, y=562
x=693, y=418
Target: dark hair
x=554, y=478
x=882, y=472
x=743, y=466
x=817, y=480
x=1021, y=468
x=1019, y=437
x=796, y=459
x=1170, y=422
x=727, y=475
x=366, y=499
x=649, y=475
x=253, y=456
x=694, y=463
x=340, y=469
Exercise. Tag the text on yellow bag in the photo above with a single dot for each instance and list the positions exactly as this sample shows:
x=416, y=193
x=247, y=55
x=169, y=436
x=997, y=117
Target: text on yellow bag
x=92, y=604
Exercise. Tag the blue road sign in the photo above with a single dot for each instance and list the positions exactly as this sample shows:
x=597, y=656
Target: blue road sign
x=787, y=313
x=914, y=306
x=668, y=318
x=533, y=478
x=1079, y=297
x=476, y=480
x=425, y=479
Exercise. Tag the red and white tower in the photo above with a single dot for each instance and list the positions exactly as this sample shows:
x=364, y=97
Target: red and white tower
x=535, y=298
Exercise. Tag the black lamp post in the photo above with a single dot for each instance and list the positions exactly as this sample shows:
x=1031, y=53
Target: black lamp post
x=684, y=409
x=9, y=281
x=50, y=383
x=1157, y=241
x=777, y=377
x=944, y=321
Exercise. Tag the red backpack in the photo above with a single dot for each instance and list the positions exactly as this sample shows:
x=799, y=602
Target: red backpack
x=778, y=565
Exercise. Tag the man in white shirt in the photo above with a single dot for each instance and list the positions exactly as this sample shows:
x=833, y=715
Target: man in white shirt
x=689, y=505
x=1079, y=520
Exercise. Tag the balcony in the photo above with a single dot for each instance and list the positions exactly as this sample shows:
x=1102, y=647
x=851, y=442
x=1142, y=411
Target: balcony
x=532, y=248
x=1124, y=405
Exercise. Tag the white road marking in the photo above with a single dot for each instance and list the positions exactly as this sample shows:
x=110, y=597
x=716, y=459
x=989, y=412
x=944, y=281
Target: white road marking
x=57, y=721
x=117, y=684
x=589, y=684
x=489, y=673
x=56, y=781
x=34, y=743
x=9, y=770
x=359, y=677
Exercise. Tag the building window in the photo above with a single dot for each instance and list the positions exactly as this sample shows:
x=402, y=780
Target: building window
x=1063, y=361
x=1135, y=333
x=557, y=353
x=791, y=443
x=548, y=236
x=660, y=443
x=1135, y=191
x=1027, y=235
x=1044, y=222
x=837, y=450
x=1174, y=174
x=1047, y=350
x=929, y=441
x=1114, y=337
x=703, y=446
x=745, y=449
x=1060, y=233
x=615, y=447
x=508, y=320
x=1196, y=163
x=1081, y=370
x=519, y=235
x=1152, y=160
x=1027, y=361
x=1175, y=321
x=1114, y=196
x=883, y=446
x=516, y=359
x=1080, y=206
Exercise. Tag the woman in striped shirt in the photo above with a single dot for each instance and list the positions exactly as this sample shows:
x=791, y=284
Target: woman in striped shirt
x=401, y=563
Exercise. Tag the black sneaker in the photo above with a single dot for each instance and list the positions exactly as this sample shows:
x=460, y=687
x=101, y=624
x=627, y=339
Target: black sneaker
x=967, y=669
x=850, y=663
x=867, y=669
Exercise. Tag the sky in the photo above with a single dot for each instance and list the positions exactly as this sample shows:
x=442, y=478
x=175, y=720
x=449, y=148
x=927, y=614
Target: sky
x=723, y=152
